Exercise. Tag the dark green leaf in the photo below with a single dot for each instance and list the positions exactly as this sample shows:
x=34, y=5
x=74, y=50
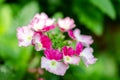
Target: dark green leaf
x=105, y=6
x=58, y=15
x=91, y=18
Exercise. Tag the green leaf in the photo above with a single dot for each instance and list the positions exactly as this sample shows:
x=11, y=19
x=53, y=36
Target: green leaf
x=5, y=18
x=58, y=15
x=14, y=56
x=24, y=54
x=108, y=72
x=27, y=13
x=6, y=73
x=105, y=6
x=1, y=1
x=91, y=18
x=24, y=17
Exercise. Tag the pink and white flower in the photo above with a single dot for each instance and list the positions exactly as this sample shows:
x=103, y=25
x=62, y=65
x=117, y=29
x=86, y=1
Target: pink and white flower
x=85, y=39
x=52, y=62
x=24, y=35
x=55, y=61
x=69, y=56
x=87, y=56
x=66, y=24
x=41, y=41
x=41, y=22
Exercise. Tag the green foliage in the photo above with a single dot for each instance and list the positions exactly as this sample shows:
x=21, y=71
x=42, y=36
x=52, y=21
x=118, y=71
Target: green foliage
x=91, y=18
x=6, y=73
x=106, y=7
x=58, y=15
x=91, y=13
x=105, y=68
x=5, y=18
x=27, y=13
x=15, y=57
x=1, y=1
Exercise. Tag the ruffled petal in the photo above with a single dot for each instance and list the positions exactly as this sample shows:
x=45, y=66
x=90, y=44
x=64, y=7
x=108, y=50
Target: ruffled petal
x=46, y=42
x=37, y=42
x=53, y=54
x=42, y=23
x=41, y=41
x=55, y=67
x=71, y=35
x=66, y=24
x=79, y=48
x=50, y=22
x=85, y=39
x=87, y=56
x=68, y=51
x=24, y=35
x=72, y=60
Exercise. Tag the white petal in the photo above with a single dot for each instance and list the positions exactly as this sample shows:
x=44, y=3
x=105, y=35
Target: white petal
x=40, y=25
x=87, y=56
x=85, y=39
x=38, y=46
x=43, y=16
x=59, y=68
x=49, y=22
x=24, y=35
x=37, y=42
x=72, y=60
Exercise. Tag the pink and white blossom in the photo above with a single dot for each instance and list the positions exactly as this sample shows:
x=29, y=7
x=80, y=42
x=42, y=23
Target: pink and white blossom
x=66, y=24
x=41, y=22
x=85, y=39
x=52, y=62
x=24, y=35
x=56, y=60
x=41, y=41
x=69, y=56
x=87, y=56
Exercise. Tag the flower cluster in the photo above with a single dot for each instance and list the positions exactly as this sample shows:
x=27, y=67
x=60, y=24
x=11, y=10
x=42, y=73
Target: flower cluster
x=47, y=35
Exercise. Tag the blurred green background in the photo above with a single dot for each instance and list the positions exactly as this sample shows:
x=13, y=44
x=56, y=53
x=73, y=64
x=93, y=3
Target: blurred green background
x=99, y=18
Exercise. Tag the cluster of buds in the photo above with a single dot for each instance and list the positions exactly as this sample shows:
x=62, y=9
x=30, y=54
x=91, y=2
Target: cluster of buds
x=48, y=35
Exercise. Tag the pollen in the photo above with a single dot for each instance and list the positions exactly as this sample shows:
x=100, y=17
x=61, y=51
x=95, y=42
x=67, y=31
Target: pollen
x=29, y=38
x=53, y=63
x=39, y=45
x=67, y=58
